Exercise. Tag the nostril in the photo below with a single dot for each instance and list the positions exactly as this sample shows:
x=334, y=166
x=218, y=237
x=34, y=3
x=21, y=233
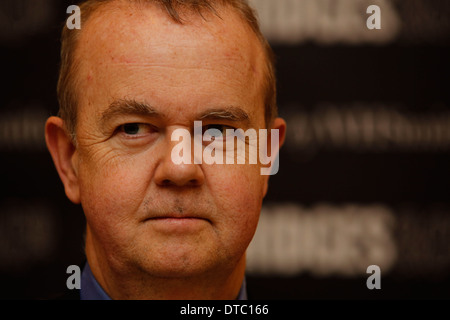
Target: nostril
x=193, y=182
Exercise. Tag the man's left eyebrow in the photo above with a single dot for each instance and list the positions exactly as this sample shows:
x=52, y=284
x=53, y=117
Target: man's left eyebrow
x=235, y=114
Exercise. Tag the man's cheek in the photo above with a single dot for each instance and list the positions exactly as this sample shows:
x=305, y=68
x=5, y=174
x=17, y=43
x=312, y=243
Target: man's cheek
x=240, y=200
x=112, y=192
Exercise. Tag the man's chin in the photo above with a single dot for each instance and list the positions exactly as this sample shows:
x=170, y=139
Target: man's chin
x=182, y=262
x=179, y=269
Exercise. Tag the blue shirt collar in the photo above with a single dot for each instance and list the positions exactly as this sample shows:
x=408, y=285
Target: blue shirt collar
x=91, y=289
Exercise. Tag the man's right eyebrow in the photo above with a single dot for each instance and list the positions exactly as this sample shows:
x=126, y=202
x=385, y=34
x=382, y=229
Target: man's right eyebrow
x=125, y=106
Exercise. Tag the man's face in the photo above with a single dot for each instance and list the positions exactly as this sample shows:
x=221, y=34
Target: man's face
x=142, y=210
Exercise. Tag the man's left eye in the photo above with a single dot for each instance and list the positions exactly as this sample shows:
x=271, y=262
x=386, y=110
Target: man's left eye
x=216, y=128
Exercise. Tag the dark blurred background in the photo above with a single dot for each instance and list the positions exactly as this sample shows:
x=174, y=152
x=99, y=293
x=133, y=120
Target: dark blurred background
x=364, y=175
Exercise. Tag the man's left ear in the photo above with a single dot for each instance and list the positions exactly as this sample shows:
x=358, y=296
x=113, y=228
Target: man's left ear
x=280, y=125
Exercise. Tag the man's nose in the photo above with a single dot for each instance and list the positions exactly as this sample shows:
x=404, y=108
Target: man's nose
x=168, y=173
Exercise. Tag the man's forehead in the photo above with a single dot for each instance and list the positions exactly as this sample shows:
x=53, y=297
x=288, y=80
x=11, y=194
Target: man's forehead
x=123, y=32
x=122, y=22
x=137, y=45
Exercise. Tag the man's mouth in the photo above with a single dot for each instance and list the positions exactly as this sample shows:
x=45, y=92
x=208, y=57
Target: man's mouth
x=175, y=217
x=176, y=223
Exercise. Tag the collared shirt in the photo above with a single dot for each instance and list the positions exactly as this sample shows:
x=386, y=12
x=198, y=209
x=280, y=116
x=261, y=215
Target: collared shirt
x=91, y=289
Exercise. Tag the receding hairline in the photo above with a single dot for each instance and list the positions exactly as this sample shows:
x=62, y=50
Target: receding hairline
x=187, y=17
x=183, y=15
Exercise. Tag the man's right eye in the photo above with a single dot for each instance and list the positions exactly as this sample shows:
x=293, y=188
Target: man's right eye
x=135, y=129
x=131, y=128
